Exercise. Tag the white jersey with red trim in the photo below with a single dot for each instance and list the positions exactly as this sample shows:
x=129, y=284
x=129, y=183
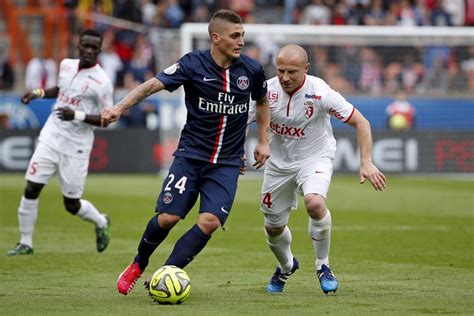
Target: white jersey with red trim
x=88, y=90
x=300, y=124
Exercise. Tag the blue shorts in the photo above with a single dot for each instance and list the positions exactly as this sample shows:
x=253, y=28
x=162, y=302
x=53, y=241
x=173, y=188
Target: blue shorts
x=189, y=178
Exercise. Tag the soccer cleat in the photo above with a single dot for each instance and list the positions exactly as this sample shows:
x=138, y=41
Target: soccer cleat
x=128, y=278
x=20, y=249
x=102, y=235
x=278, y=280
x=327, y=279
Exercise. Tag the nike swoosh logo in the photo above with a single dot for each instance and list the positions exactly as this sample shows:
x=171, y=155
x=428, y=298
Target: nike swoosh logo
x=209, y=79
x=150, y=243
x=223, y=210
x=315, y=239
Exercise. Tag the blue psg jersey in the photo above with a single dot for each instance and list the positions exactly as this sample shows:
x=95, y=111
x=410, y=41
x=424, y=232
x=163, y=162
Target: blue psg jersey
x=217, y=101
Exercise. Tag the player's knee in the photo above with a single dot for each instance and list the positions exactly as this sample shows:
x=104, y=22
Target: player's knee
x=32, y=190
x=208, y=223
x=167, y=221
x=274, y=231
x=72, y=205
x=315, y=205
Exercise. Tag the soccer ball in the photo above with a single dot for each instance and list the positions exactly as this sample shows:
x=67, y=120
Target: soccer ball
x=169, y=285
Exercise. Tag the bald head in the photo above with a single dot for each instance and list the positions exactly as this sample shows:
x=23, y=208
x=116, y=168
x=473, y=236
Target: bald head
x=292, y=66
x=293, y=54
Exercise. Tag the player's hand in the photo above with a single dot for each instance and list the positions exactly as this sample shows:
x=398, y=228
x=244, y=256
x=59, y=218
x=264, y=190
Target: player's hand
x=261, y=154
x=369, y=170
x=109, y=115
x=65, y=113
x=27, y=97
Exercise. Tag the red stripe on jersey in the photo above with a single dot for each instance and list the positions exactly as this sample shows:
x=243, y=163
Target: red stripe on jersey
x=219, y=137
x=292, y=94
x=353, y=109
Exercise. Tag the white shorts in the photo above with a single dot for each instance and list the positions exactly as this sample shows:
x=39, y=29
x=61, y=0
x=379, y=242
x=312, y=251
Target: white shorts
x=279, y=190
x=71, y=171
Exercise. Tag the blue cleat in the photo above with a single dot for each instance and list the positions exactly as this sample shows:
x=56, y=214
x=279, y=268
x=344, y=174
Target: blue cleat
x=278, y=280
x=327, y=279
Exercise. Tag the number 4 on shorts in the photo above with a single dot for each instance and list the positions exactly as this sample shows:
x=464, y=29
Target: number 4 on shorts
x=267, y=200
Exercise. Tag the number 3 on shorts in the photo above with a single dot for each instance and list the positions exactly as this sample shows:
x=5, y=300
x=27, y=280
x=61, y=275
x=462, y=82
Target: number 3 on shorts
x=180, y=185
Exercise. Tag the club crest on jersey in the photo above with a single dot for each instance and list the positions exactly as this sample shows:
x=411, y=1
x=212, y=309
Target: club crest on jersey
x=308, y=109
x=167, y=198
x=85, y=87
x=243, y=82
x=171, y=69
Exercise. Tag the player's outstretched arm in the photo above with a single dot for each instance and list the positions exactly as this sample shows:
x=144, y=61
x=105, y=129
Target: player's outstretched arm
x=364, y=138
x=68, y=114
x=111, y=114
x=262, y=150
x=39, y=94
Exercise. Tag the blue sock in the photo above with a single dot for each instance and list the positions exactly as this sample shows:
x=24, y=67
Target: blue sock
x=151, y=239
x=187, y=247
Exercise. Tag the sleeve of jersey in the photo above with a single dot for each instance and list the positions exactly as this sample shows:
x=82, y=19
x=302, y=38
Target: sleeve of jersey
x=252, y=113
x=338, y=106
x=106, y=95
x=175, y=75
x=259, y=89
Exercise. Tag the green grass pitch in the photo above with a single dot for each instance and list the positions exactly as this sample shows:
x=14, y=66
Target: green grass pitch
x=407, y=250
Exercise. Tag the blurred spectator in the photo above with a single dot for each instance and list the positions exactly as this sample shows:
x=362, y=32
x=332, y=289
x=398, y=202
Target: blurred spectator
x=244, y=8
x=467, y=66
x=456, y=78
x=411, y=74
x=149, y=10
x=435, y=61
x=339, y=14
x=7, y=76
x=370, y=79
x=409, y=14
x=40, y=73
x=456, y=10
x=357, y=13
x=128, y=10
x=400, y=113
x=144, y=114
x=109, y=59
x=289, y=7
x=316, y=13
x=439, y=16
x=376, y=13
x=173, y=13
x=142, y=62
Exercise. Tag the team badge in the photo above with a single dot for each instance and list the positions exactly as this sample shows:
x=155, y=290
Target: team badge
x=85, y=87
x=308, y=109
x=243, y=82
x=167, y=198
x=171, y=69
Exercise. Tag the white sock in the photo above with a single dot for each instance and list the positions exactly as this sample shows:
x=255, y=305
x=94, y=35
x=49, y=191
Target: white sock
x=89, y=213
x=27, y=214
x=320, y=233
x=281, y=248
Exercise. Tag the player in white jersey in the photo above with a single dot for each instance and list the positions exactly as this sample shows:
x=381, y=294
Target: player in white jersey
x=65, y=142
x=302, y=148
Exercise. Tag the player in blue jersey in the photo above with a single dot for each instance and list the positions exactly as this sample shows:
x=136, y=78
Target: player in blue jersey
x=218, y=85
